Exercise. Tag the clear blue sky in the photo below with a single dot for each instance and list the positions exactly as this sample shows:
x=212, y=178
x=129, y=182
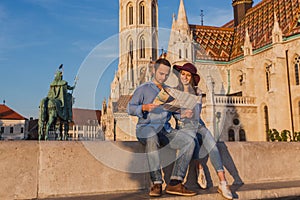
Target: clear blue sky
x=36, y=36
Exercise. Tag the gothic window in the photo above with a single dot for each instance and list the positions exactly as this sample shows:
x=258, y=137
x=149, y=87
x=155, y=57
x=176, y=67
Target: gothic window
x=11, y=130
x=130, y=58
x=180, y=56
x=22, y=130
x=153, y=14
x=186, y=53
x=142, y=13
x=297, y=63
x=131, y=48
x=142, y=47
x=266, y=116
x=231, y=137
x=242, y=135
x=130, y=14
x=268, y=81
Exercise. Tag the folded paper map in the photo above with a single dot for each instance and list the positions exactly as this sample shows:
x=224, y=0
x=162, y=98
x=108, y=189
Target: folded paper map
x=175, y=100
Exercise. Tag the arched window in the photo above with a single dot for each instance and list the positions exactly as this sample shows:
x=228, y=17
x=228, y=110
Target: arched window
x=154, y=18
x=142, y=47
x=131, y=48
x=130, y=72
x=231, y=137
x=297, y=63
x=130, y=14
x=180, y=56
x=242, y=135
x=266, y=116
x=186, y=53
x=142, y=13
x=268, y=81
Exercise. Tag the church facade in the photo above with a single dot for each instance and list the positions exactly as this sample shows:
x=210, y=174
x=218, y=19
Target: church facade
x=249, y=69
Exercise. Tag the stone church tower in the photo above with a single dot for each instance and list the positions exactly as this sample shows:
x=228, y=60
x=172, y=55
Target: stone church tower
x=138, y=42
x=138, y=47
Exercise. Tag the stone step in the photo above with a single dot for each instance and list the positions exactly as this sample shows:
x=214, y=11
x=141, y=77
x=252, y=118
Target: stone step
x=274, y=190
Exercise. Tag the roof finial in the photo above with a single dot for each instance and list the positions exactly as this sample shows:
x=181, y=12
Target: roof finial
x=4, y=102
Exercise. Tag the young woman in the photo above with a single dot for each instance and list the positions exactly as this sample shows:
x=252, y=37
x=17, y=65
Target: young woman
x=188, y=80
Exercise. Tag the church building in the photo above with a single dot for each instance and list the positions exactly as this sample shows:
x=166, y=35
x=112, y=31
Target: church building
x=249, y=67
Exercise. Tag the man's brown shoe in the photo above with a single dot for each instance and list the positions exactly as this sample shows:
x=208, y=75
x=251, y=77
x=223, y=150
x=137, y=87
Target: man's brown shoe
x=156, y=190
x=179, y=189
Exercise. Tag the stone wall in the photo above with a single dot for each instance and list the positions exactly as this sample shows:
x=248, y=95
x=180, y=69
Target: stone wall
x=32, y=169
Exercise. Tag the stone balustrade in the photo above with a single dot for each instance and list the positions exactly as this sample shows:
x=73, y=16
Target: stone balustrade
x=232, y=101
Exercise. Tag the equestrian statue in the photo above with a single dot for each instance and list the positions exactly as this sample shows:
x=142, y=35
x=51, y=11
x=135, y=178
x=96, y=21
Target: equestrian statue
x=56, y=109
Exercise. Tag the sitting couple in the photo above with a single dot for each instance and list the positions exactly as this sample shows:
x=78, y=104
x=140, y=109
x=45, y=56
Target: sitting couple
x=155, y=132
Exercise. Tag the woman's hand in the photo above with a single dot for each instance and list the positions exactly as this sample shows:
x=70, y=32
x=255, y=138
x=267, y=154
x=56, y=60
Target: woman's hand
x=187, y=114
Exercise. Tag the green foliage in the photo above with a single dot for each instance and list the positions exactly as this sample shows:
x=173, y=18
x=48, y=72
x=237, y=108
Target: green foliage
x=297, y=136
x=270, y=135
x=284, y=136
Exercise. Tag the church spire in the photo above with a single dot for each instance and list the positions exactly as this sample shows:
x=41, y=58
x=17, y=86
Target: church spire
x=277, y=32
x=182, y=21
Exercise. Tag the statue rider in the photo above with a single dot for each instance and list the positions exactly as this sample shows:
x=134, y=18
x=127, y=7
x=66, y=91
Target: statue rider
x=59, y=90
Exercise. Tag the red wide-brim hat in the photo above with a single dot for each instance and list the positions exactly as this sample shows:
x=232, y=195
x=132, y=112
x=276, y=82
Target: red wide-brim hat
x=190, y=68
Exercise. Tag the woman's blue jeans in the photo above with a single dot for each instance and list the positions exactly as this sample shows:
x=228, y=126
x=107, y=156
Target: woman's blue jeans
x=209, y=147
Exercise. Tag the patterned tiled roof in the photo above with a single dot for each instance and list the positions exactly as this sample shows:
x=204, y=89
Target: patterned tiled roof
x=8, y=113
x=215, y=43
x=259, y=21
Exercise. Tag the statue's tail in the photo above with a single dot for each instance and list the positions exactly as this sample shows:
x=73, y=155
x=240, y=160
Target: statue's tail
x=43, y=109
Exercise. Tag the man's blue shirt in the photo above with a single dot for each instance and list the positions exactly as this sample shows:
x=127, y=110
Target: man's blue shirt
x=157, y=118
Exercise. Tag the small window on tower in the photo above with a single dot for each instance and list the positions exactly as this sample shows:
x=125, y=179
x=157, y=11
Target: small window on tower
x=142, y=13
x=142, y=48
x=130, y=14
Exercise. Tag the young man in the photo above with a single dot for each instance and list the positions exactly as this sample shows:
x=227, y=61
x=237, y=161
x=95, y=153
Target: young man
x=155, y=132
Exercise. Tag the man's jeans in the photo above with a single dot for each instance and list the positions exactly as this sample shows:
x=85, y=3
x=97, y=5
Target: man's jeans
x=163, y=144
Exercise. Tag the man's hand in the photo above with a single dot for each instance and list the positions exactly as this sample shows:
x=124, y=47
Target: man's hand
x=149, y=107
x=187, y=114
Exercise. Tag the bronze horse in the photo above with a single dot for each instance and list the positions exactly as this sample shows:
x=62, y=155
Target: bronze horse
x=51, y=117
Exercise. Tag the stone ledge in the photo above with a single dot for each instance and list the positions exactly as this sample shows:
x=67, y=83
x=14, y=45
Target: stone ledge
x=270, y=190
x=32, y=169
